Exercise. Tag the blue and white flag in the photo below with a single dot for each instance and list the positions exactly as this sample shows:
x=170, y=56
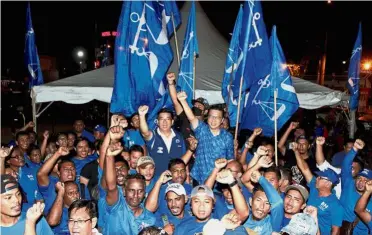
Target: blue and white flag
x=354, y=70
x=142, y=57
x=254, y=41
x=190, y=49
x=260, y=109
x=233, y=59
x=35, y=75
x=170, y=7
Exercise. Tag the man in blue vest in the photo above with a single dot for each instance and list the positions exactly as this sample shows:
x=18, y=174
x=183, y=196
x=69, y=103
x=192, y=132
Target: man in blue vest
x=163, y=143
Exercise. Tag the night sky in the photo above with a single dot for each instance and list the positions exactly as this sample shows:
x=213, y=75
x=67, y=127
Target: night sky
x=301, y=26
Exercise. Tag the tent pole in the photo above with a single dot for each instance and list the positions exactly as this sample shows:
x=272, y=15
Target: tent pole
x=175, y=39
x=34, y=114
x=42, y=111
x=276, y=127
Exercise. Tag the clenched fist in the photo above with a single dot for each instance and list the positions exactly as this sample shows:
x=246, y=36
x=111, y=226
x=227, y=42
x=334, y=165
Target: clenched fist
x=142, y=110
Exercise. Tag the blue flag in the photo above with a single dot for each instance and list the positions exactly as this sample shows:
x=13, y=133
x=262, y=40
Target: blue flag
x=255, y=44
x=260, y=109
x=142, y=57
x=35, y=75
x=354, y=70
x=190, y=48
x=233, y=59
x=170, y=7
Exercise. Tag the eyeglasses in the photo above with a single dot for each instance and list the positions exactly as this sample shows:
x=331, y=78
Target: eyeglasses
x=79, y=222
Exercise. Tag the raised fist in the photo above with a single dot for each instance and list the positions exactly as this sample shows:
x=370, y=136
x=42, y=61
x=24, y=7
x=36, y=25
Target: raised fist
x=294, y=146
x=114, y=149
x=225, y=177
x=294, y=125
x=181, y=96
x=230, y=221
x=4, y=152
x=165, y=176
x=60, y=187
x=369, y=186
x=171, y=77
x=142, y=110
x=31, y=124
x=114, y=120
x=359, y=144
x=63, y=151
x=123, y=123
x=116, y=132
x=34, y=212
x=257, y=131
x=220, y=163
x=193, y=143
x=320, y=140
x=46, y=134
x=265, y=162
x=262, y=151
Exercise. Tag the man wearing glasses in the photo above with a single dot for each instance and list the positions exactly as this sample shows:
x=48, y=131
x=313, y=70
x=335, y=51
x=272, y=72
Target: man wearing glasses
x=213, y=141
x=330, y=210
x=83, y=218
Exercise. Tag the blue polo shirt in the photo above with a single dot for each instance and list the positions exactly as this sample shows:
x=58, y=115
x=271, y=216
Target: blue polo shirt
x=349, y=194
x=163, y=207
x=209, y=149
x=132, y=137
x=62, y=227
x=330, y=211
x=80, y=163
x=49, y=193
x=28, y=182
x=161, y=218
x=121, y=220
x=159, y=152
x=151, y=185
x=86, y=134
x=42, y=227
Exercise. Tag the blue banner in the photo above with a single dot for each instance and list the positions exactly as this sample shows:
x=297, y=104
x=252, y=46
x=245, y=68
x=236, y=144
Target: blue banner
x=255, y=44
x=35, y=75
x=354, y=70
x=190, y=49
x=233, y=60
x=260, y=109
x=142, y=57
x=170, y=8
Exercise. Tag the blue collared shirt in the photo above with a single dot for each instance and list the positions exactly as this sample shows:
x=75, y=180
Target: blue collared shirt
x=28, y=181
x=121, y=219
x=159, y=151
x=161, y=218
x=62, y=227
x=42, y=227
x=209, y=149
x=330, y=211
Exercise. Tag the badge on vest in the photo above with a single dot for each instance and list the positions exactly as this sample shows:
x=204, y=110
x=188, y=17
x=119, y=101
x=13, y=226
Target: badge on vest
x=177, y=141
x=160, y=150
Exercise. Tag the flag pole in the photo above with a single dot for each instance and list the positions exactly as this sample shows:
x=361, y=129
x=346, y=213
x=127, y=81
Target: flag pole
x=194, y=77
x=238, y=113
x=175, y=39
x=276, y=126
x=231, y=80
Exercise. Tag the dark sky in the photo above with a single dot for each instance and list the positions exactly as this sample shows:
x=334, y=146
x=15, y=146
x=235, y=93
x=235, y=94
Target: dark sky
x=301, y=26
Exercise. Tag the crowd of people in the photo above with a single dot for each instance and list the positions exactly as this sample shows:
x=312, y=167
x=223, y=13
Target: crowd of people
x=187, y=176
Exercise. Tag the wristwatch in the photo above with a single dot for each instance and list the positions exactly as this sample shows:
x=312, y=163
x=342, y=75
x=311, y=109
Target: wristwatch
x=233, y=183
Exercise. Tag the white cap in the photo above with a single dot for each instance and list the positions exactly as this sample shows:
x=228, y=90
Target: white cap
x=176, y=188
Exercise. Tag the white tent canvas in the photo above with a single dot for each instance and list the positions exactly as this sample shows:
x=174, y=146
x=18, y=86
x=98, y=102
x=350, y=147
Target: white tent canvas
x=98, y=84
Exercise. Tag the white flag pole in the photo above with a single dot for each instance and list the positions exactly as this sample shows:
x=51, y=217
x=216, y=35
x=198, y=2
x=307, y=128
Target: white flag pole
x=238, y=113
x=176, y=41
x=194, y=77
x=276, y=126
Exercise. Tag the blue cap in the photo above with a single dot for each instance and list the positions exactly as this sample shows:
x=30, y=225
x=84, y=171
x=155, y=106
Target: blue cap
x=100, y=128
x=366, y=173
x=330, y=175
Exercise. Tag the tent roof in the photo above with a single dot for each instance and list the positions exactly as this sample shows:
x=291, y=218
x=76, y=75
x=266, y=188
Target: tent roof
x=97, y=84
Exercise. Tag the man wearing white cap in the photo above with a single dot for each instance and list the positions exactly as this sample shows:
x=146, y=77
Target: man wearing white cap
x=176, y=198
x=146, y=168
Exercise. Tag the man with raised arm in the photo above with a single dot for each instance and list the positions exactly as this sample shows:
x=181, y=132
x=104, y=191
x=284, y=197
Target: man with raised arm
x=214, y=142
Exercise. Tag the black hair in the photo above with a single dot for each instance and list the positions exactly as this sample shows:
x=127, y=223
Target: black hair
x=348, y=140
x=165, y=110
x=11, y=152
x=152, y=230
x=32, y=148
x=275, y=170
x=64, y=161
x=133, y=115
x=20, y=133
x=174, y=162
x=217, y=107
x=134, y=177
x=119, y=158
x=90, y=207
x=78, y=140
x=32, y=132
x=136, y=148
x=285, y=173
x=257, y=188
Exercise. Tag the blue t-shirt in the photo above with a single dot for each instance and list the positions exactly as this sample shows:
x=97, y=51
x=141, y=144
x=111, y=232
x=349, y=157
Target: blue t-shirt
x=370, y=225
x=161, y=218
x=162, y=203
x=261, y=227
x=49, y=193
x=209, y=149
x=132, y=137
x=159, y=151
x=28, y=182
x=189, y=226
x=121, y=220
x=42, y=227
x=151, y=185
x=330, y=211
x=221, y=207
x=80, y=163
x=285, y=222
x=62, y=227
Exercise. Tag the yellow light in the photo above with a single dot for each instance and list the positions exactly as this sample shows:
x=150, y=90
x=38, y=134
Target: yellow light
x=367, y=66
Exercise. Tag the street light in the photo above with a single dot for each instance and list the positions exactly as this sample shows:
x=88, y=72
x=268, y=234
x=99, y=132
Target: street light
x=367, y=66
x=344, y=62
x=80, y=54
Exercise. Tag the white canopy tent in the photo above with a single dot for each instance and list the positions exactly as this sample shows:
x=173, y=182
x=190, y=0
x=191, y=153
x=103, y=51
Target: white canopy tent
x=98, y=84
